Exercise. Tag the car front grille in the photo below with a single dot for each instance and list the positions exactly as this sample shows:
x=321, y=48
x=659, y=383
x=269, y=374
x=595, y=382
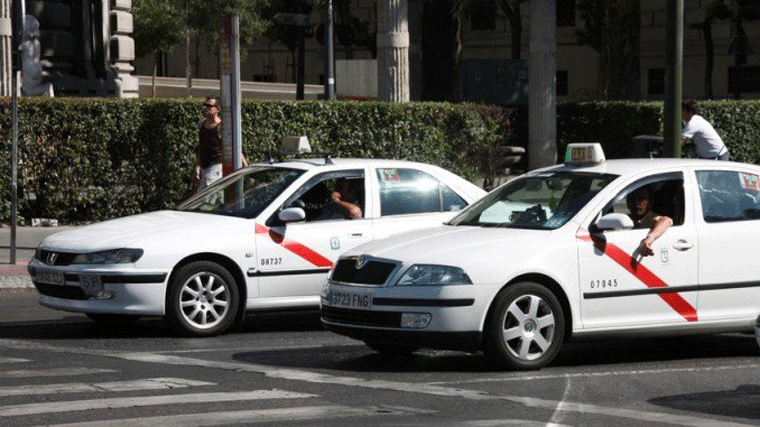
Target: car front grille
x=346, y=316
x=57, y=258
x=58, y=291
x=372, y=272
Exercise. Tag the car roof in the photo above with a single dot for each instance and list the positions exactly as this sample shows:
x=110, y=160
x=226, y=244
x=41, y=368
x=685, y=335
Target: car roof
x=632, y=166
x=317, y=162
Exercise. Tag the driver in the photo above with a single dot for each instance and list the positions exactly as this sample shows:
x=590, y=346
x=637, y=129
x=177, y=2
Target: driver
x=344, y=203
x=640, y=203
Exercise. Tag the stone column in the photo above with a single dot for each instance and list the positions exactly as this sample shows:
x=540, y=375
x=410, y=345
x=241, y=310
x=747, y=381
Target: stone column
x=542, y=91
x=6, y=31
x=392, y=51
x=122, y=50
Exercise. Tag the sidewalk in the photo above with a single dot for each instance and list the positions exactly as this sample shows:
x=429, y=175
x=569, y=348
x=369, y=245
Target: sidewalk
x=27, y=239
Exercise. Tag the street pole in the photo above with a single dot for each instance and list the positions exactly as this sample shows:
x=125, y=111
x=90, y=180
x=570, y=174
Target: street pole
x=673, y=80
x=18, y=29
x=329, y=58
x=230, y=88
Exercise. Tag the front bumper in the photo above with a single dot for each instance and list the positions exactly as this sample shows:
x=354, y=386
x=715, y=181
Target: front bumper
x=112, y=289
x=456, y=315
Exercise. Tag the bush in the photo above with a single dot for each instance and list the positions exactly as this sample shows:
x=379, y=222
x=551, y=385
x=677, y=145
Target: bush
x=94, y=159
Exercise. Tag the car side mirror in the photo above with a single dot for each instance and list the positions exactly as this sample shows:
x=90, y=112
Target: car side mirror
x=293, y=214
x=614, y=222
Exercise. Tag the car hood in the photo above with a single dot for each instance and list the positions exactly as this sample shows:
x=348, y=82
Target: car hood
x=136, y=230
x=452, y=245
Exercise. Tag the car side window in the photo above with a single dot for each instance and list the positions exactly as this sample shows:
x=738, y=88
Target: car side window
x=667, y=197
x=729, y=195
x=315, y=196
x=411, y=191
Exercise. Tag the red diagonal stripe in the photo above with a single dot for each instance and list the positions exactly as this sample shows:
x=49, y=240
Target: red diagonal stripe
x=676, y=301
x=295, y=247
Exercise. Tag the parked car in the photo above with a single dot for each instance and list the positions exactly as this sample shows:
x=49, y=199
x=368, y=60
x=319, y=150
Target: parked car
x=757, y=330
x=553, y=256
x=255, y=240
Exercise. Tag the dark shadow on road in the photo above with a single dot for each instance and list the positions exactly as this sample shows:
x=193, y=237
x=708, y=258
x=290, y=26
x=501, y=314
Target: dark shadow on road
x=77, y=326
x=744, y=402
x=361, y=358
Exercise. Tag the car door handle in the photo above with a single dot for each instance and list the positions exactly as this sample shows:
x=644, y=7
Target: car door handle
x=682, y=245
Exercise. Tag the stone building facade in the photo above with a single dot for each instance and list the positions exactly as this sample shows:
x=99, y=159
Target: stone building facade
x=86, y=48
x=489, y=68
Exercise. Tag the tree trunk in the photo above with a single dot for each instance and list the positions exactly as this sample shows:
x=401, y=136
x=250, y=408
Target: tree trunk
x=155, y=70
x=512, y=10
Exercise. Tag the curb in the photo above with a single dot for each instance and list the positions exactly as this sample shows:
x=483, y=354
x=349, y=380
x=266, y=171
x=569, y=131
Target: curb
x=14, y=276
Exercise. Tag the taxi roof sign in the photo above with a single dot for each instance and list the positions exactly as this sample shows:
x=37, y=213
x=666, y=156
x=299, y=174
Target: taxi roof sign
x=584, y=153
x=295, y=144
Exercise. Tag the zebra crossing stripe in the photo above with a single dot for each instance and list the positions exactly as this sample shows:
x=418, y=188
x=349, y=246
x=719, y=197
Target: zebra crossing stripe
x=13, y=360
x=140, y=401
x=58, y=372
x=113, y=386
x=251, y=416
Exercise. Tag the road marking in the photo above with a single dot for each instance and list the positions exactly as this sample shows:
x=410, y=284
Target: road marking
x=113, y=386
x=13, y=360
x=416, y=388
x=252, y=416
x=533, y=377
x=58, y=372
x=140, y=401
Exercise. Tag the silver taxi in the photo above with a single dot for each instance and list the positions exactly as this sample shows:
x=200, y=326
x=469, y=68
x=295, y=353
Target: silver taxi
x=553, y=255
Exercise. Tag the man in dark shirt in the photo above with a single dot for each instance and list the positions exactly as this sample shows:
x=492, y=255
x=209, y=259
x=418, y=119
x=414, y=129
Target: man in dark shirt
x=209, y=165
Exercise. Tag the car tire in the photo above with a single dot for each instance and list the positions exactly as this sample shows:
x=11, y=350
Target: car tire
x=202, y=299
x=526, y=328
x=392, y=351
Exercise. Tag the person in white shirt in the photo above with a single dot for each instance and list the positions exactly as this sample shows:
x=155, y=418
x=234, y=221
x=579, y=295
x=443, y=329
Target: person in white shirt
x=708, y=143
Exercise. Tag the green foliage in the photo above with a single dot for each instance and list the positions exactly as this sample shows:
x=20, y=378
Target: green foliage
x=158, y=26
x=93, y=159
x=203, y=17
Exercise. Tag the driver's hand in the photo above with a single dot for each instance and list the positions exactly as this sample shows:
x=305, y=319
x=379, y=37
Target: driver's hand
x=335, y=196
x=645, y=248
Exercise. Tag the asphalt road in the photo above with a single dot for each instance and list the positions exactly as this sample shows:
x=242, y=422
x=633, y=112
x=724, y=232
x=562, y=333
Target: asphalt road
x=59, y=368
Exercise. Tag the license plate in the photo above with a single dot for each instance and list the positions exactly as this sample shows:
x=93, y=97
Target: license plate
x=90, y=283
x=349, y=299
x=50, y=277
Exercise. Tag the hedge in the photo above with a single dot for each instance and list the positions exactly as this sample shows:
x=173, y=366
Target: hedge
x=92, y=159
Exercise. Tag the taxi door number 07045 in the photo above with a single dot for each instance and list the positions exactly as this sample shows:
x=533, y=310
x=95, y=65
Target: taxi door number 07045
x=349, y=299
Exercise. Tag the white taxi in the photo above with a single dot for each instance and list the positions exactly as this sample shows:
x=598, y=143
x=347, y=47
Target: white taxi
x=262, y=238
x=553, y=255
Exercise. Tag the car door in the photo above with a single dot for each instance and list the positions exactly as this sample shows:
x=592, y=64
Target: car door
x=295, y=257
x=410, y=199
x=620, y=288
x=729, y=226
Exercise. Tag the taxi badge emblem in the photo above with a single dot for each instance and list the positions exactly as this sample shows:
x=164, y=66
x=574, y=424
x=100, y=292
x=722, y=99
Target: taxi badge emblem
x=361, y=261
x=52, y=256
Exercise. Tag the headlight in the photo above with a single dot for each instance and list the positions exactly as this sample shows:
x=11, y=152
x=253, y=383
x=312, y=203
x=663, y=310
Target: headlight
x=424, y=274
x=114, y=256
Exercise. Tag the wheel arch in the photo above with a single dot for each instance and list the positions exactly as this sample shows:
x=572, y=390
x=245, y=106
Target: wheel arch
x=550, y=284
x=228, y=264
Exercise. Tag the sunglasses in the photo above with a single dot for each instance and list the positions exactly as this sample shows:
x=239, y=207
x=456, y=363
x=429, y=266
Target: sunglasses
x=207, y=105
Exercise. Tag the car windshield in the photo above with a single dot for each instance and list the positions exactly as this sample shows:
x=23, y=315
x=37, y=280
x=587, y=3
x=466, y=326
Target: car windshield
x=541, y=201
x=243, y=194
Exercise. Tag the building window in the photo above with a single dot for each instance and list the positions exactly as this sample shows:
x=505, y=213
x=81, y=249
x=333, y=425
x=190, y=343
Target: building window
x=483, y=15
x=743, y=79
x=565, y=13
x=562, y=89
x=656, y=81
